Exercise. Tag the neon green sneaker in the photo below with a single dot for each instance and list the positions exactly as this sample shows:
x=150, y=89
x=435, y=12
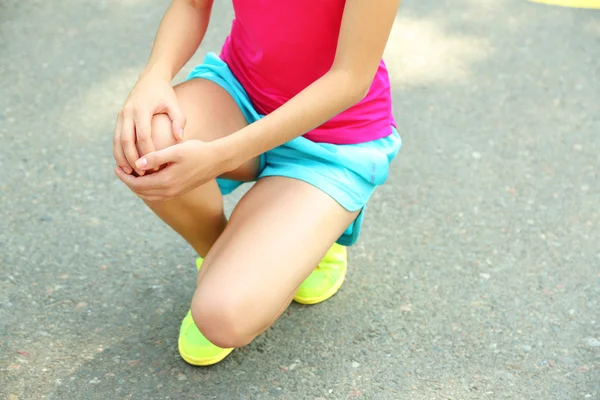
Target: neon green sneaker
x=194, y=348
x=326, y=279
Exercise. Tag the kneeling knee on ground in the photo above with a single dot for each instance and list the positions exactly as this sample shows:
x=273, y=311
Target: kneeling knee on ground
x=223, y=316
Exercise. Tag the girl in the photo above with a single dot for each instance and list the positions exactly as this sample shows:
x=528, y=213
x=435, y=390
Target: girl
x=298, y=101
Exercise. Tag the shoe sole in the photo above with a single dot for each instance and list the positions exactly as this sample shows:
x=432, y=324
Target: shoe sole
x=202, y=362
x=316, y=300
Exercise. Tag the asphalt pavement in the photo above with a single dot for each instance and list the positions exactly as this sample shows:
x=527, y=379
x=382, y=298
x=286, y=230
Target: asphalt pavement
x=477, y=275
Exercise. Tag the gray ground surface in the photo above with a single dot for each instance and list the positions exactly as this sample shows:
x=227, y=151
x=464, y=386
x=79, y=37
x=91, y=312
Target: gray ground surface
x=478, y=274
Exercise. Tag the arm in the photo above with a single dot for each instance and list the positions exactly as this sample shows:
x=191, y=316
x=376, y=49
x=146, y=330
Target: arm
x=363, y=35
x=179, y=35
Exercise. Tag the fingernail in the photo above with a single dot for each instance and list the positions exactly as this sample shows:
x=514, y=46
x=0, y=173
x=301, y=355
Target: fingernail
x=127, y=170
x=141, y=163
x=181, y=133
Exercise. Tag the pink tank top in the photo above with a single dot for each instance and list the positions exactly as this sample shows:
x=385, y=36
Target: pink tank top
x=277, y=48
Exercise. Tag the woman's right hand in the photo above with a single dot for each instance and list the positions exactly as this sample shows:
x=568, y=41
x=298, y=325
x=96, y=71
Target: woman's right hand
x=151, y=95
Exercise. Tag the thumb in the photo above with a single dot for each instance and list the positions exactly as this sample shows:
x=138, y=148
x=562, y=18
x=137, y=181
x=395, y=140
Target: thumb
x=178, y=120
x=158, y=158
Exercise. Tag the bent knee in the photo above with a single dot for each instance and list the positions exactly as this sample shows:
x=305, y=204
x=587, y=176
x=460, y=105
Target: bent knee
x=162, y=134
x=162, y=131
x=222, y=318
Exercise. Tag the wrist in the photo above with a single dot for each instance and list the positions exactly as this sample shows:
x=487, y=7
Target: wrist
x=157, y=72
x=227, y=158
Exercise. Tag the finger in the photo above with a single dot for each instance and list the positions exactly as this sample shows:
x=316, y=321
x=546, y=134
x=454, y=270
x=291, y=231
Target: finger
x=178, y=120
x=143, y=134
x=128, y=142
x=140, y=153
x=127, y=179
x=148, y=184
x=160, y=157
x=118, y=154
x=145, y=187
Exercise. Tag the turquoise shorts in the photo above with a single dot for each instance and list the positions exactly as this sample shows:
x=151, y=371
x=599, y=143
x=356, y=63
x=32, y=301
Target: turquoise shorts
x=347, y=173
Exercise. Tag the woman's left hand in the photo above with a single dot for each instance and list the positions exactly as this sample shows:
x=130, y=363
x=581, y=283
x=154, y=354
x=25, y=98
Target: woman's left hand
x=188, y=165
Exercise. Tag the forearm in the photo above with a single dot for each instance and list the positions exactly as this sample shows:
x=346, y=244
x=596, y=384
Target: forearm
x=333, y=93
x=179, y=35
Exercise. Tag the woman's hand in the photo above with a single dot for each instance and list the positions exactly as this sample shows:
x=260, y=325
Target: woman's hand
x=189, y=165
x=152, y=94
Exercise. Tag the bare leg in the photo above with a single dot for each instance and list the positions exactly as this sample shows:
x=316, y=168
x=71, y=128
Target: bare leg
x=277, y=234
x=211, y=114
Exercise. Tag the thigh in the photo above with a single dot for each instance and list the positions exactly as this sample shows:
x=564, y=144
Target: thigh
x=276, y=236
